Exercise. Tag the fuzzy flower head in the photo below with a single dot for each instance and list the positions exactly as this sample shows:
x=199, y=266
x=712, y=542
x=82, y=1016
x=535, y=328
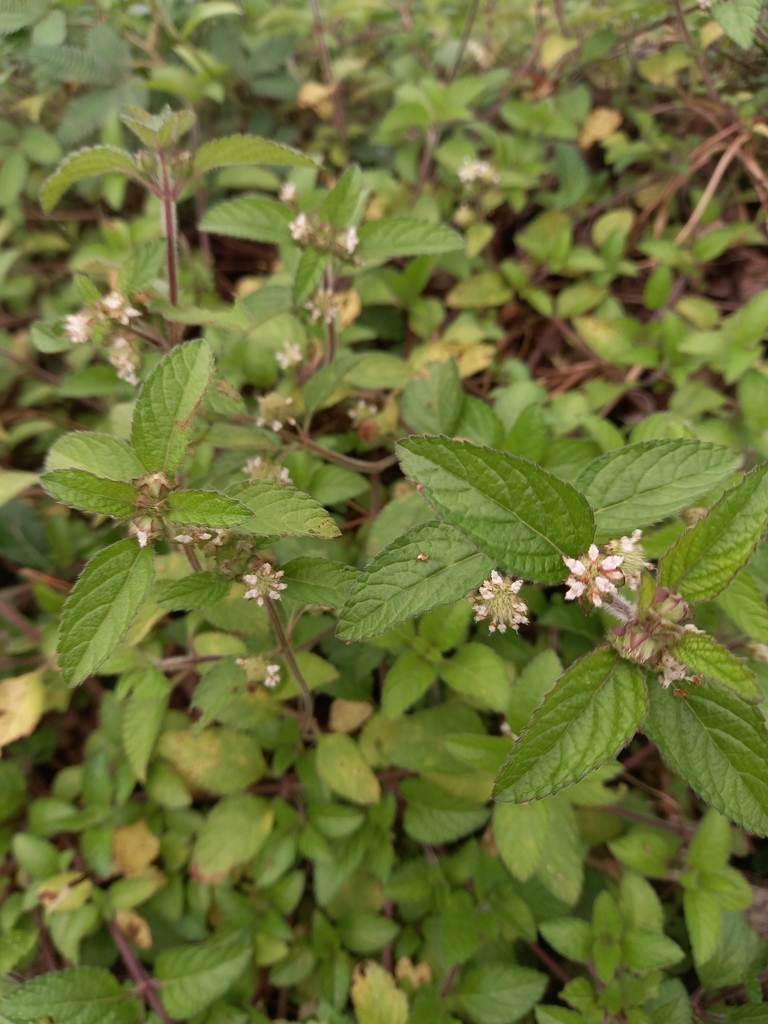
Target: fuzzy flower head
x=362, y=411
x=124, y=359
x=264, y=582
x=258, y=469
x=631, y=550
x=287, y=192
x=324, y=306
x=290, y=356
x=78, y=326
x=347, y=241
x=472, y=171
x=274, y=411
x=301, y=229
x=497, y=601
x=671, y=671
x=272, y=678
x=593, y=576
x=257, y=670
x=114, y=307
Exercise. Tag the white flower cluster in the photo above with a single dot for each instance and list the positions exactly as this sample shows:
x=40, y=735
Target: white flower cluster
x=362, y=411
x=287, y=192
x=323, y=307
x=272, y=678
x=214, y=538
x=273, y=411
x=323, y=236
x=261, y=470
x=593, y=576
x=291, y=355
x=301, y=229
x=265, y=582
x=478, y=53
x=124, y=359
x=673, y=672
x=497, y=600
x=631, y=551
x=257, y=672
x=347, y=240
x=478, y=170
x=79, y=326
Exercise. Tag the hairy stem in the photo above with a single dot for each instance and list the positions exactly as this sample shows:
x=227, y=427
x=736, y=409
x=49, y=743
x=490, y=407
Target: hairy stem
x=307, y=701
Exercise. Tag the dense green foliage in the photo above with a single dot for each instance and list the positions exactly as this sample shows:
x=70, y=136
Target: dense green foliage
x=382, y=512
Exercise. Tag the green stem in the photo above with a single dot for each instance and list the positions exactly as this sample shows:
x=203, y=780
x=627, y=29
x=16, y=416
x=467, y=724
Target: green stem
x=285, y=648
x=469, y=22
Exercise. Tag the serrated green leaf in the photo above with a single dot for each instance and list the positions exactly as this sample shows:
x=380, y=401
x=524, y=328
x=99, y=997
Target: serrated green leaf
x=17, y=14
x=318, y=581
x=395, y=236
x=738, y=19
x=434, y=816
x=78, y=489
x=81, y=995
x=162, y=419
x=407, y=681
x=703, y=918
x=478, y=672
x=339, y=206
x=86, y=163
x=142, y=716
x=236, y=150
x=342, y=767
x=702, y=655
x=743, y=602
x=198, y=590
x=281, y=511
x=499, y=993
x=518, y=514
x=192, y=977
x=708, y=556
x=398, y=584
x=719, y=745
x=101, y=454
x=205, y=508
x=140, y=270
x=587, y=718
x=251, y=217
x=647, y=482
x=644, y=950
x=234, y=831
x=520, y=831
x=267, y=302
x=101, y=607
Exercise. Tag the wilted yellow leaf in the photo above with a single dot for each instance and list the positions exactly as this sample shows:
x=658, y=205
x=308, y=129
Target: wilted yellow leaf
x=601, y=123
x=134, y=848
x=66, y=891
x=376, y=998
x=318, y=97
x=349, y=715
x=554, y=49
x=710, y=34
x=21, y=705
x=134, y=927
x=415, y=974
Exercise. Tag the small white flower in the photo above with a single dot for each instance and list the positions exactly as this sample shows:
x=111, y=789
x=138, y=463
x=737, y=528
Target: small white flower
x=631, y=550
x=347, y=240
x=301, y=229
x=264, y=582
x=77, y=327
x=183, y=538
x=593, y=576
x=671, y=670
x=478, y=170
x=142, y=537
x=273, y=410
x=362, y=411
x=273, y=677
x=498, y=601
x=290, y=356
x=324, y=306
x=124, y=359
x=287, y=192
x=115, y=307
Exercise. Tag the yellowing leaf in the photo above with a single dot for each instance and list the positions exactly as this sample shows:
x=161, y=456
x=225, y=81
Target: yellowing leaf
x=349, y=715
x=21, y=705
x=710, y=33
x=135, y=928
x=342, y=767
x=554, y=49
x=318, y=97
x=134, y=848
x=662, y=68
x=415, y=974
x=376, y=998
x=66, y=891
x=601, y=123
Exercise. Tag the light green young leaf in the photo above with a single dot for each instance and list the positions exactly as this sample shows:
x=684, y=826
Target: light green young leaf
x=101, y=454
x=738, y=19
x=407, y=681
x=212, y=9
x=499, y=993
x=143, y=714
x=101, y=607
x=708, y=556
x=78, y=489
x=644, y=950
x=318, y=581
x=395, y=236
x=434, y=816
x=521, y=831
x=86, y=163
x=710, y=848
x=702, y=655
x=237, y=150
x=162, y=419
x=587, y=718
x=432, y=404
x=647, y=482
x=478, y=672
x=205, y=508
x=398, y=584
x=570, y=936
x=80, y=995
x=703, y=918
x=342, y=767
x=280, y=511
x=219, y=687
x=13, y=482
x=308, y=275
x=192, y=977
x=14, y=945
x=198, y=590
x=142, y=268
x=518, y=514
x=719, y=745
x=531, y=687
x=235, y=318
x=339, y=206
x=742, y=601
x=322, y=385
x=251, y=217
x=234, y=831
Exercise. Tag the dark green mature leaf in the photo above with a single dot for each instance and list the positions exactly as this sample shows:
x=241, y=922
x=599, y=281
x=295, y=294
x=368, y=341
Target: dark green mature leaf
x=499, y=993
x=99, y=610
x=407, y=681
x=434, y=816
x=162, y=420
x=318, y=581
x=518, y=514
x=281, y=511
x=701, y=654
x=86, y=163
x=82, y=995
x=339, y=206
x=193, y=977
x=251, y=217
x=198, y=590
x=719, y=745
x=101, y=454
x=591, y=713
x=78, y=489
x=708, y=556
x=142, y=718
x=399, y=584
x=385, y=239
x=644, y=483
x=205, y=508
x=236, y=150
